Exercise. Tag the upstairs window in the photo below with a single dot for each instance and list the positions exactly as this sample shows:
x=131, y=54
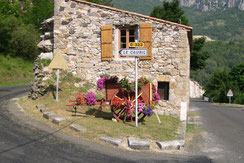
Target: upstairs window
x=127, y=35
x=137, y=33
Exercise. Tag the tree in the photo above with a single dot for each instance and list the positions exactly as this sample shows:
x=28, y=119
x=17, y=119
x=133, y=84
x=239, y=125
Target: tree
x=102, y=2
x=17, y=38
x=39, y=11
x=9, y=21
x=198, y=57
x=218, y=85
x=170, y=11
x=23, y=42
x=224, y=79
x=237, y=75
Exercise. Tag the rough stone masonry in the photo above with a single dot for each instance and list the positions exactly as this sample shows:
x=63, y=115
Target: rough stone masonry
x=77, y=33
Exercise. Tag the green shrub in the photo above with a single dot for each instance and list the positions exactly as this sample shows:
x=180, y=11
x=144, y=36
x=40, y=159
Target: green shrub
x=45, y=62
x=239, y=99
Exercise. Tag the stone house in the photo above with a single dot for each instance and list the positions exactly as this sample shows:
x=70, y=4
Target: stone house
x=90, y=37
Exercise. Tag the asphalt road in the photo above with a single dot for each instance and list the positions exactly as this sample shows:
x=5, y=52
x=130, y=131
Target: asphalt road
x=223, y=139
x=23, y=139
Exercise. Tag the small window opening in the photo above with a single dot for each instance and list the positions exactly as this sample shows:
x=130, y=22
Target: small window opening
x=163, y=90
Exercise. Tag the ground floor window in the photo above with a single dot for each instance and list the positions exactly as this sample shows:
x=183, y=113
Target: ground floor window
x=163, y=90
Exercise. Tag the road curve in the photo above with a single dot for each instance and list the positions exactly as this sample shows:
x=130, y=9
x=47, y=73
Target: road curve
x=224, y=124
x=23, y=139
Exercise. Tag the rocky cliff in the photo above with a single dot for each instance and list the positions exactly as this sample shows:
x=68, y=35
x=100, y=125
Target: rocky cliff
x=211, y=5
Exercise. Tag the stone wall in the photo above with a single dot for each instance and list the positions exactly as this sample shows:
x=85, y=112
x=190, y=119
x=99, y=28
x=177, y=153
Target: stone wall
x=196, y=90
x=77, y=33
x=47, y=42
x=38, y=86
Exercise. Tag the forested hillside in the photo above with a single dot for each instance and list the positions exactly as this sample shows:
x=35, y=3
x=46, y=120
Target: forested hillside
x=227, y=25
x=19, y=30
x=140, y=6
x=222, y=55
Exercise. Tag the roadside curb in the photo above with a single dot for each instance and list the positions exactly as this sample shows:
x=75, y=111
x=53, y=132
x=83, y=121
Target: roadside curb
x=113, y=141
x=58, y=120
x=138, y=144
x=78, y=128
x=169, y=145
x=49, y=116
x=132, y=143
x=125, y=143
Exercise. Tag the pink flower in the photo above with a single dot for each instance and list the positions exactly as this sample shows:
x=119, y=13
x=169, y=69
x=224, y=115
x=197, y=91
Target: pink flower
x=100, y=84
x=90, y=99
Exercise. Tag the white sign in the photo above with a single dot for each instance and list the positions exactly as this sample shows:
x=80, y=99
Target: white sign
x=230, y=93
x=133, y=52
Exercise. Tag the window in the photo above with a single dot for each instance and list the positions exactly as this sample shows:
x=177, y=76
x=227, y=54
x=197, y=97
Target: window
x=163, y=90
x=127, y=35
x=122, y=38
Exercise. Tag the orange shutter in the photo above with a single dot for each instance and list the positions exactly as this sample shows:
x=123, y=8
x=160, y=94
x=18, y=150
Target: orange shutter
x=146, y=38
x=106, y=42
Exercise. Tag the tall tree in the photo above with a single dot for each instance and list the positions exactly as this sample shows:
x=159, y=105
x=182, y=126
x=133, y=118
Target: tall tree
x=17, y=38
x=198, y=57
x=218, y=85
x=170, y=11
x=237, y=75
x=39, y=11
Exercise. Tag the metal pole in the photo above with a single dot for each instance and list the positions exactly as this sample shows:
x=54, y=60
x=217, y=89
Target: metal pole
x=229, y=99
x=57, y=85
x=136, y=91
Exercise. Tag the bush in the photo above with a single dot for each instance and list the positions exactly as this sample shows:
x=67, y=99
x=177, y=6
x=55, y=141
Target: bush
x=239, y=99
x=23, y=41
x=45, y=62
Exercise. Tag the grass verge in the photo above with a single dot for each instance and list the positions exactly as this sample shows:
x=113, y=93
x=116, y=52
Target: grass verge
x=101, y=124
x=191, y=131
x=193, y=114
x=15, y=71
x=226, y=104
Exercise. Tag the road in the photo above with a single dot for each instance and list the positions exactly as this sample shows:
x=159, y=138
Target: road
x=223, y=139
x=23, y=139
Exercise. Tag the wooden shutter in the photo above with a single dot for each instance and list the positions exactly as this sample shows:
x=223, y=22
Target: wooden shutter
x=106, y=42
x=146, y=38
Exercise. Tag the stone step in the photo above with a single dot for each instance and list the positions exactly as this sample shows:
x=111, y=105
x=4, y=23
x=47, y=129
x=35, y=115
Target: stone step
x=78, y=128
x=113, y=141
x=58, y=120
x=171, y=145
x=138, y=144
x=42, y=108
x=49, y=115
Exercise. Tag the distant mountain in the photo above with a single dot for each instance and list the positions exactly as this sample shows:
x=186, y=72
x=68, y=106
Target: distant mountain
x=212, y=5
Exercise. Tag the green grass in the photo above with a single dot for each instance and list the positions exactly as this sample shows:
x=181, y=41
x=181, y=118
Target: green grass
x=193, y=114
x=190, y=128
x=45, y=62
x=227, y=104
x=101, y=124
x=15, y=71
